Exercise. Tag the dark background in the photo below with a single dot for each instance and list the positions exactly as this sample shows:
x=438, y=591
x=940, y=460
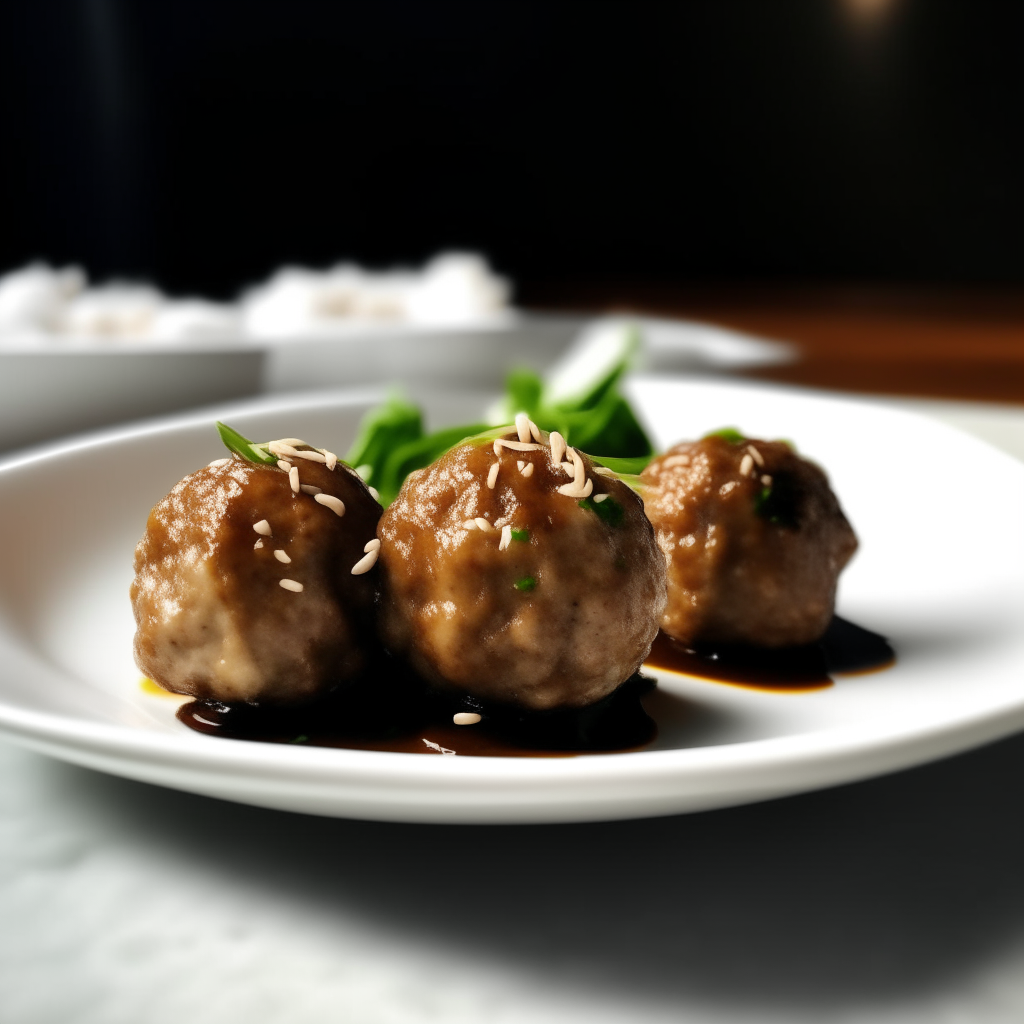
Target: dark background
x=201, y=144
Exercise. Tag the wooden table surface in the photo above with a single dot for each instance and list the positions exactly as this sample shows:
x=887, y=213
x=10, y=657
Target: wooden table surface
x=965, y=343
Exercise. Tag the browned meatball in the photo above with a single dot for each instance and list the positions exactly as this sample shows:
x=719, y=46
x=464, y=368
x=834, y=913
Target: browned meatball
x=214, y=618
x=755, y=541
x=500, y=585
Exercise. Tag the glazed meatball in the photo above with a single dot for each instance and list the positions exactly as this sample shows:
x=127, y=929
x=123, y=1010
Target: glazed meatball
x=516, y=574
x=754, y=538
x=244, y=589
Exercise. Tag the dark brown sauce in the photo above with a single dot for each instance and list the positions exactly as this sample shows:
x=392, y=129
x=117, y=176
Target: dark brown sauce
x=392, y=710
x=844, y=649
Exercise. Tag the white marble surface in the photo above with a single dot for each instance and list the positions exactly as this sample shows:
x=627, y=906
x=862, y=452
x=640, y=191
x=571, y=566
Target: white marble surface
x=896, y=900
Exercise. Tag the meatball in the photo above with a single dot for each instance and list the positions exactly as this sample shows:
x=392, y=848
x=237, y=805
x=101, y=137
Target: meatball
x=514, y=577
x=244, y=588
x=754, y=538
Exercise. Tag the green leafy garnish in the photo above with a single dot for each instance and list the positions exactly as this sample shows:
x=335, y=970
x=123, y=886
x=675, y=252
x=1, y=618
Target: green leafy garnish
x=778, y=502
x=631, y=467
x=526, y=584
x=609, y=510
x=730, y=434
x=383, y=429
x=523, y=536
x=248, y=450
x=300, y=739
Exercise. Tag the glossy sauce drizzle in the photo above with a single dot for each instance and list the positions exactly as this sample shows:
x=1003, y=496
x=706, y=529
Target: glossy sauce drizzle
x=392, y=710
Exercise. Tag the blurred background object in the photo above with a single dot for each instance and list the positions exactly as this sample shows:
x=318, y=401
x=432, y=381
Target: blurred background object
x=841, y=174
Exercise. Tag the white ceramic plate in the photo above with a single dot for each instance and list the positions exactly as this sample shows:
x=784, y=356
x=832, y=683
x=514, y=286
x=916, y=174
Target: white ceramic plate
x=940, y=572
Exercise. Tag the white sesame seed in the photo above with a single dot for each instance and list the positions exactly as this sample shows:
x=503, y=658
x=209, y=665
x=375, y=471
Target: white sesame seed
x=527, y=470
x=374, y=493
x=523, y=426
x=332, y=459
x=492, y=475
x=295, y=588
x=263, y=528
x=757, y=456
x=310, y=489
x=557, y=446
x=257, y=545
x=284, y=464
x=506, y=537
x=366, y=563
x=535, y=431
x=520, y=464
x=746, y=464
x=279, y=448
x=282, y=556
x=218, y=462
x=598, y=498
x=293, y=479
x=336, y=505
x=466, y=718
x=569, y=468
x=289, y=441
x=483, y=524
x=517, y=446
x=373, y=544
x=766, y=480
x=312, y=457
x=675, y=460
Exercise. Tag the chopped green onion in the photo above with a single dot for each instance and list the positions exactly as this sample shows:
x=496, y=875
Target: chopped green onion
x=609, y=510
x=526, y=584
x=251, y=452
x=521, y=535
x=730, y=434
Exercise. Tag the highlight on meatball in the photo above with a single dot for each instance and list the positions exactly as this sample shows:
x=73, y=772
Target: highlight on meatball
x=256, y=582
x=754, y=539
x=514, y=572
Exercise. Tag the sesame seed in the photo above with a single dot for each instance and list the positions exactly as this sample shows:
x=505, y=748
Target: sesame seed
x=258, y=544
x=332, y=459
x=675, y=460
x=310, y=489
x=535, y=431
x=366, y=563
x=293, y=479
x=279, y=448
x=373, y=544
x=557, y=446
x=598, y=498
x=295, y=588
x=766, y=480
x=757, y=456
x=282, y=556
x=492, y=475
x=483, y=524
x=263, y=528
x=520, y=464
x=218, y=462
x=517, y=446
x=284, y=464
x=523, y=426
x=746, y=464
x=466, y=718
x=569, y=468
x=336, y=505
x=291, y=441
x=312, y=457
x=374, y=493
x=469, y=524
x=506, y=537
x=527, y=470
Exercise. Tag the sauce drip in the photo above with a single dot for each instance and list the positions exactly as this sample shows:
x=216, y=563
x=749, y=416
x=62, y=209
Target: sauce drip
x=391, y=709
x=844, y=649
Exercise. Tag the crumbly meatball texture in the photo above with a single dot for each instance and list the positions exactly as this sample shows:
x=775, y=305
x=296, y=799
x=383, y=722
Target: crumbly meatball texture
x=754, y=538
x=212, y=619
x=552, y=604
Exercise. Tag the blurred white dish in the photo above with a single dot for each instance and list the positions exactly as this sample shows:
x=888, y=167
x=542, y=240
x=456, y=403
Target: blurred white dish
x=940, y=572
